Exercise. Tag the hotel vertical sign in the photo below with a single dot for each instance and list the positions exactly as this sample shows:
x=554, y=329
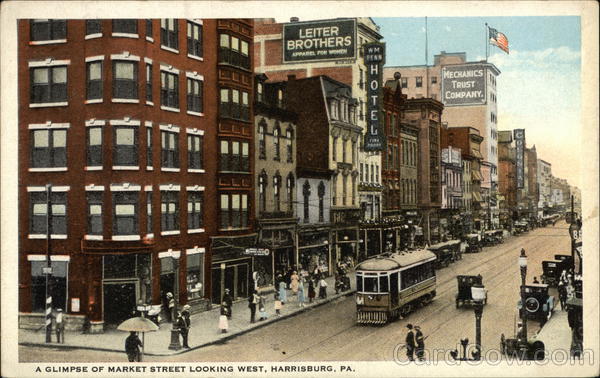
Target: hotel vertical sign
x=520, y=149
x=374, y=54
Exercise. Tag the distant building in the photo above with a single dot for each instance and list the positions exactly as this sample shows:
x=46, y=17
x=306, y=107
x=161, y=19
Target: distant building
x=544, y=179
x=452, y=203
x=507, y=179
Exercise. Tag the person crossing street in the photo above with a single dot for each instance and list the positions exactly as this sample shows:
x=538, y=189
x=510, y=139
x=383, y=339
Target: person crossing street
x=410, y=343
x=420, y=349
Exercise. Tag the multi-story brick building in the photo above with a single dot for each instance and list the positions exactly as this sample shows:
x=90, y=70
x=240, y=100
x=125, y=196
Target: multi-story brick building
x=452, y=202
x=231, y=265
x=507, y=177
x=116, y=119
x=275, y=181
x=544, y=175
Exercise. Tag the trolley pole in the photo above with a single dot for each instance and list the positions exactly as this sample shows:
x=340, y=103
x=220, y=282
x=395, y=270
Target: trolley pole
x=48, y=269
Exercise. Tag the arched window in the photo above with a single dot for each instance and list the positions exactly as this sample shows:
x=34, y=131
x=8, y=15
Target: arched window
x=276, y=143
x=262, y=191
x=306, y=195
x=262, y=139
x=321, y=192
x=277, y=191
x=290, y=191
x=289, y=135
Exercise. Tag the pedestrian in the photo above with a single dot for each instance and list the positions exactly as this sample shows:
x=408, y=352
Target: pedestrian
x=294, y=278
x=562, y=294
x=410, y=342
x=261, y=308
x=184, y=323
x=229, y=301
x=322, y=288
x=223, y=322
x=277, y=304
x=252, y=302
x=132, y=347
x=170, y=308
x=535, y=280
x=420, y=349
x=301, y=297
x=311, y=290
x=59, y=326
x=282, y=291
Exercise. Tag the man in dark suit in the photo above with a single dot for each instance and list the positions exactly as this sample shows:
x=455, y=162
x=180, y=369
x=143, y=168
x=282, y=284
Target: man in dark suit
x=410, y=343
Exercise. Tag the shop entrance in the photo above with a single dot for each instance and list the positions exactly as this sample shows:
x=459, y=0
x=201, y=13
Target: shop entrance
x=234, y=276
x=119, y=302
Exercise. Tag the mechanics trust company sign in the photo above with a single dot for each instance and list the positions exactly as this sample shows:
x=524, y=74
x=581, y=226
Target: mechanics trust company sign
x=463, y=85
x=319, y=40
x=374, y=55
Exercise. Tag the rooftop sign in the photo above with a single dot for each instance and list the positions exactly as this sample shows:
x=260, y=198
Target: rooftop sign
x=319, y=40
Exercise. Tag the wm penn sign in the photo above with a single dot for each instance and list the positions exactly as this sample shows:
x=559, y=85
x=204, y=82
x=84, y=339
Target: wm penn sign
x=319, y=40
x=463, y=85
x=374, y=54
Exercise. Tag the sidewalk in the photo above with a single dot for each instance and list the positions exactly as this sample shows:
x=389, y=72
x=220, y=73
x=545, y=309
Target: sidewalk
x=556, y=334
x=204, y=330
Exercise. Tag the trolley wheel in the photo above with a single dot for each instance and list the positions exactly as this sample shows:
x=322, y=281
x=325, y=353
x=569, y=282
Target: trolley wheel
x=405, y=310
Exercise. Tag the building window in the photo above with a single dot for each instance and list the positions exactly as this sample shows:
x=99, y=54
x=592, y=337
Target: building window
x=234, y=51
x=434, y=80
x=289, y=135
x=169, y=31
x=334, y=184
x=404, y=82
x=38, y=213
x=234, y=156
x=125, y=83
x=195, y=203
x=333, y=105
x=169, y=89
x=334, y=149
x=58, y=287
x=126, y=26
x=306, y=195
x=94, y=213
x=321, y=194
x=149, y=28
x=125, y=213
x=48, y=84
x=149, y=212
x=230, y=104
x=419, y=81
x=262, y=135
x=290, y=191
x=259, y=92
x=234, y=211
x=276, y=142
x=48, y=30
x=362, y=165
x=194, y=95
x=94, y=80
x=344, y=189
x=93, y=27
x=361, y=83
x=48, y=148
x=94, y=147
x=280, y=98
x=169, y=149
x=169, y=210
x=195, y=275
x=194, y=39
x=277, y=191
x=149, y=147
x=262, y=191
x=125, y=151
x=149, y=82
x=195, y=154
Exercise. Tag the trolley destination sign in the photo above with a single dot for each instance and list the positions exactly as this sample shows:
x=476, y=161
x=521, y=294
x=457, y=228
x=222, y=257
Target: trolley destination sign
x=321, y=40
x=374, y=54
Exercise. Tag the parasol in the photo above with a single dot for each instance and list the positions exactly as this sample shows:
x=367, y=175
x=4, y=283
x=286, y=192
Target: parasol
x=138, y=324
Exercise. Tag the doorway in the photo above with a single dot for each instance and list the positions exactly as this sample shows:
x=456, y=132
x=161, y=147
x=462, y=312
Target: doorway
x=119, y=302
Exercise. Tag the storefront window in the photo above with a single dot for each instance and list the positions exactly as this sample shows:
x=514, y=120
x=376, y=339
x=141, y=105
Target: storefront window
x=264, y=269
x=57, y=284
x=144, y=274
x=116, y=266
x=195, y=275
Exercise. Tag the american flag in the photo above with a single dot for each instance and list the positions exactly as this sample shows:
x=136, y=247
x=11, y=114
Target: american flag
x=498, y=39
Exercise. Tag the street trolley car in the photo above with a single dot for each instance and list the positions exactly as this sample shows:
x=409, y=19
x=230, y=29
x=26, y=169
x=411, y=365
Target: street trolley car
x=393, y=284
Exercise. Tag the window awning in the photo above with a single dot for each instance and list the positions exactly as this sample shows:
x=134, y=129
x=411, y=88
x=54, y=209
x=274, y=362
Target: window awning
x=476, y=175
x=477, y=196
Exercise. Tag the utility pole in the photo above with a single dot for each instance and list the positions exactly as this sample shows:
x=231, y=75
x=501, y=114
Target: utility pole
x=48, y=269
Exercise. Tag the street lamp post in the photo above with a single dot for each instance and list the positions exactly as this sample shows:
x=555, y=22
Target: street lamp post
x=478, y=295
x=175, y=344
x=523, y=267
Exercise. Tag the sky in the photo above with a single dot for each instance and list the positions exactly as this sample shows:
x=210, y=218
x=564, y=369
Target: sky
x=539, y=88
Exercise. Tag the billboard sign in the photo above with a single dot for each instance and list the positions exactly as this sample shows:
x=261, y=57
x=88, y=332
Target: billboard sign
x=463, y=85
x=520, y=158
x=374, y=55
x=319, y=40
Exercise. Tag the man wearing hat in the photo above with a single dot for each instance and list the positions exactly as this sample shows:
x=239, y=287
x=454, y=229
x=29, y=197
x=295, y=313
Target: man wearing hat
x=410, y=342
x=420, y=340
x=59, y=326
x=184, y=323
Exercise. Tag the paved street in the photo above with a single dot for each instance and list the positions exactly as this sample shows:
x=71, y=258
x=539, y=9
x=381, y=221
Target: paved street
x=329, y=332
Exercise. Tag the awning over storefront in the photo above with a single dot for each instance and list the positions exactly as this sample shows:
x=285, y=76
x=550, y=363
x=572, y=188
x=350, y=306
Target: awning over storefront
x=477, y=196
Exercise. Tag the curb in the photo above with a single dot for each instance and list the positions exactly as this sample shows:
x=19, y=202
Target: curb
x=220, y=340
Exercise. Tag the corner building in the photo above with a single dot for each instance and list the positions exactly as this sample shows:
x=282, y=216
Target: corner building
x=117, y=121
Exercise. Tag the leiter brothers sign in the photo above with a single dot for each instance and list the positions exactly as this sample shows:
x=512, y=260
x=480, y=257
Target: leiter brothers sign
x=463, y=85
x=319, y=40
x=374, y=59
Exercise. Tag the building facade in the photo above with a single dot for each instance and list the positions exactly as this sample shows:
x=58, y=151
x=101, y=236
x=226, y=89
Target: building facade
x=452, y=199
x=544, y=178
x=116, y=118
x=275, y=167
x=507, y=178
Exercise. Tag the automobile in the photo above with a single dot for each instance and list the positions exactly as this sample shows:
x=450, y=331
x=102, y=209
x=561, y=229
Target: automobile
x=538, y=303
x=465, y=283
x=499, y=234
x=566, y=262
x=444, y=253
x=551, y=272
x=523, y=350
x=473, y=243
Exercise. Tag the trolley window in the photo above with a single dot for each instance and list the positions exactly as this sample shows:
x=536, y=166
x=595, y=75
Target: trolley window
x=416, y=274
x=383, y=284
x=359, y=283
x=371, y=285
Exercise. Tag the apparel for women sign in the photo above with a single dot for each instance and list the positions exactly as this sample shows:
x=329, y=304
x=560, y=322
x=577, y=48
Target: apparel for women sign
x=374, y=54
x=319, y=40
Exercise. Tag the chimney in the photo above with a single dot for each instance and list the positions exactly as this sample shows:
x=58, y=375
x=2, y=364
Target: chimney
x=291, y=77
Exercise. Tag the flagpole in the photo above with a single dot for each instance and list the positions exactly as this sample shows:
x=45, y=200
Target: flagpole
x=487, y=43
x=426, y=62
